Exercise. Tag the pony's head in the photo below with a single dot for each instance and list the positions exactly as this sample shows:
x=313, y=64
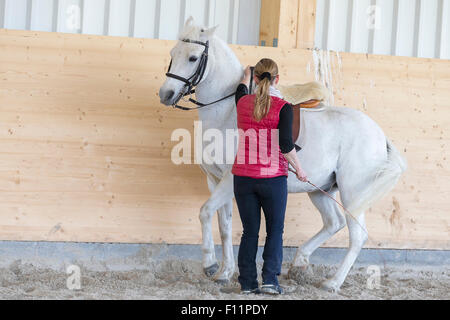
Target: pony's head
x=186, y=58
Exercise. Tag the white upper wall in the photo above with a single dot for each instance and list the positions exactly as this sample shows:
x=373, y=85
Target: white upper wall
x=238, y=20
x=417, y=28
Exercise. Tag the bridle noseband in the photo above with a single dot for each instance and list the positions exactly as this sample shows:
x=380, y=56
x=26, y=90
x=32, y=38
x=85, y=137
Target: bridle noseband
x=194, y=80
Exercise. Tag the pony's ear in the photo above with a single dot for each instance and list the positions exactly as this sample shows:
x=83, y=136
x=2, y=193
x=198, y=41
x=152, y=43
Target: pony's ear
x=189, y=22
x=208, y=32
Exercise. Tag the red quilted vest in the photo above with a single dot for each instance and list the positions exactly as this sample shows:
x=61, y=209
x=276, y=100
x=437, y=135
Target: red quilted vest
x=259, y=154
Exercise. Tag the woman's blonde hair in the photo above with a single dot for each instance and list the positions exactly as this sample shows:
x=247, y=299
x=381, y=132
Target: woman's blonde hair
x=262, y=99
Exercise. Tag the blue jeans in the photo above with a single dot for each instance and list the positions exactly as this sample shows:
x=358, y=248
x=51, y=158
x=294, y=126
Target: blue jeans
x=251, y=195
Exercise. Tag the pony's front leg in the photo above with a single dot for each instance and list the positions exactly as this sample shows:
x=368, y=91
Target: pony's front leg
x=225, y=226
x=221, y=194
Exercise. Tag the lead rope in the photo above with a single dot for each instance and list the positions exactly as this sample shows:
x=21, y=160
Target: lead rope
x=348, y=212
x=252, y=70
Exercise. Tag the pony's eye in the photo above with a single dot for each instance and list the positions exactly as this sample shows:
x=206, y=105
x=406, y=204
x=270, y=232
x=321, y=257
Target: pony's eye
x=193, y=59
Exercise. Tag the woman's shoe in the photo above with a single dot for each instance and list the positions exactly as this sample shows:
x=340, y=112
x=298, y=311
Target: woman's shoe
x=272, y=289
x=251, y=291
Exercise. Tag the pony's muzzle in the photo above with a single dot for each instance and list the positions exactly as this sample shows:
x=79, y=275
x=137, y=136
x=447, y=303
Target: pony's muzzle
x=166, y=96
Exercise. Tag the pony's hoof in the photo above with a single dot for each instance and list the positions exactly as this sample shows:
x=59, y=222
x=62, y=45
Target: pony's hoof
x=300, y=274
x=211, y=270
x=222, y=282
x=330, y=286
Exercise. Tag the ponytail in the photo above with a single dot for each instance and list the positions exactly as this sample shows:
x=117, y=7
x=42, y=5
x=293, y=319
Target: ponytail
x=262, y=100
x=266, y=70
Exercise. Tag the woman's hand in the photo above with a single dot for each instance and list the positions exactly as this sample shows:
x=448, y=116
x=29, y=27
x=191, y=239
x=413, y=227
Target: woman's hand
x=292, y=158
x=247, y=72
x=247, y=76
x=301, y=175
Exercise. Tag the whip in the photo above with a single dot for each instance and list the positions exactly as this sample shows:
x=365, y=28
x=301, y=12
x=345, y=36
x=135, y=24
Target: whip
x=326, y=193
x=348, y=212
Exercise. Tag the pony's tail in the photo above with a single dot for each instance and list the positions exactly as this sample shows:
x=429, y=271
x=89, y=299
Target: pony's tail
x=386, y=177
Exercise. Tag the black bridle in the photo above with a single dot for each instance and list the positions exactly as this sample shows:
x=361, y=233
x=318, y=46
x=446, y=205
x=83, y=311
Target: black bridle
x=194, y=80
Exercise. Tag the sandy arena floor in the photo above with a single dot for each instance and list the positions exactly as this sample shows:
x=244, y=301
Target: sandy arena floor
x=184, y=280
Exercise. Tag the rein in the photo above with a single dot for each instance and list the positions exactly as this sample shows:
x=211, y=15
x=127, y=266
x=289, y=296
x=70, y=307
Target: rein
x=194, y=80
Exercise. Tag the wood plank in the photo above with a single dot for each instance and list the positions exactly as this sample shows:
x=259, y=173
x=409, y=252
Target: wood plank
x=85, y=144
x=287, y=30
x=306, y=24
x=269, y=22
x=288, y=23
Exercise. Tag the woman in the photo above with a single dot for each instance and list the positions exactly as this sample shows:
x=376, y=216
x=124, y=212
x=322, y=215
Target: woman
x=260, y=174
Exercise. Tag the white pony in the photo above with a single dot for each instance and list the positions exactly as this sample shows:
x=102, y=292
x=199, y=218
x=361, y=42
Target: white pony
x=342, y=149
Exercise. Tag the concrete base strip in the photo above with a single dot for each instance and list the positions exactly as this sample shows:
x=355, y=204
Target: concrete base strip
x=120, y=256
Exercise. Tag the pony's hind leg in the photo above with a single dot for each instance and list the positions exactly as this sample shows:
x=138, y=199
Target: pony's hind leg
x=333, y=221
x=225, y=227
x=351, y=181
x=357, y=237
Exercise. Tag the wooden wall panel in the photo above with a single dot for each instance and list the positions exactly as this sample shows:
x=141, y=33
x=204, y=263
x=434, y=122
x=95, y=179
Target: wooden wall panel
x=85, y=144
x=306, y=27
x=288, y=23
